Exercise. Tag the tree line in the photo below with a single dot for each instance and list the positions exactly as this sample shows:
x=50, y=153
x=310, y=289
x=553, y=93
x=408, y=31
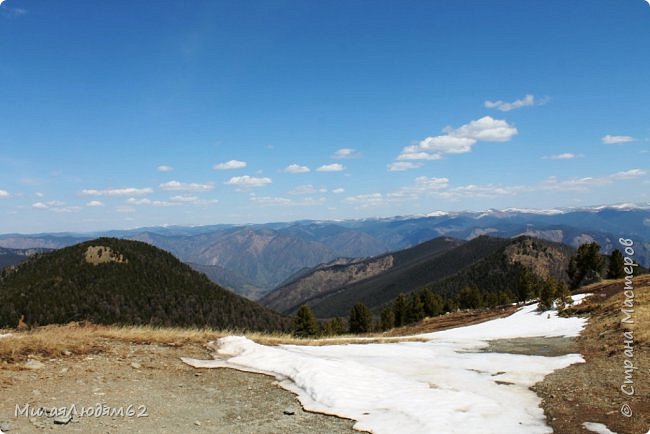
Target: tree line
x=585, y=266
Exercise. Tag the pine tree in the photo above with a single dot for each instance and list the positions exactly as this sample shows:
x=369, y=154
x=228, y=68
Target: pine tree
x=400, y=309
x=616, y=265
x=387, y=319
x=360, y=319
x=415, y=309
x=586, y=265
x=305, y=323
x=547, y=294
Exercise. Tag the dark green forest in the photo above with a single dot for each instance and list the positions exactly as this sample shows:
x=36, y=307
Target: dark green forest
x=151, y=287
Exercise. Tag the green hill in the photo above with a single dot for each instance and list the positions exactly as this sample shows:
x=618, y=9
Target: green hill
x=487, y=263
x=113, y=281
x=414, y=270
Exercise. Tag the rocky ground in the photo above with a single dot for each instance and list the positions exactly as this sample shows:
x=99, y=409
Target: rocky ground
x=150, y=377
x=591, y=391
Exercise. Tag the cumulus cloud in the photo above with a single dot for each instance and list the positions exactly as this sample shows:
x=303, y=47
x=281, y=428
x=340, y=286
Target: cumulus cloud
x=526, y=101
x=56, y=206
x=192, y=200
x=338, y=190
x=4, y=194
x=365, y=200
x=581, y=184
x=304, y=189
x=296, y=168
x=346, y=153
x=485, y=129
x=459, y=140
x=94, y=203
x=148, y=202
x=335, y=167
x=229, y=165
x=165, y=168
x=248, y=181
x=628, y=174
x=564, y=156
x=611, y=140
x=183, y=186
x=129, y=191
x=399, y=166
x=283, y=201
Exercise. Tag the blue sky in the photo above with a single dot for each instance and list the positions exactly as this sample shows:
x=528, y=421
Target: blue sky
x=127, y=114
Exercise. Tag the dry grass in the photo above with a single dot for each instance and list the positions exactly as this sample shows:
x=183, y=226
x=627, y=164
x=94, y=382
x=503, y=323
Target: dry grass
x=82, y=338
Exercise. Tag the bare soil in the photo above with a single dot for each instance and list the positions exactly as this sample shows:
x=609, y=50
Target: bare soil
x=591, y=391
x=177, y=397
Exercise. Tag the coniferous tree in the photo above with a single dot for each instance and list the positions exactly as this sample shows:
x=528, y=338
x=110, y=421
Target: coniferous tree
x=586, y=265
x=470, y=298
x=616, y=265
x=360, y=319
x=305, y=324
x=415, y=309
x=400, y=309
x=387, y=319
x=547, y=294
x=338, y=326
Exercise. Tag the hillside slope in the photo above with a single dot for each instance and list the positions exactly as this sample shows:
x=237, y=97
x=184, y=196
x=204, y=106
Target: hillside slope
x=338, y=277
x=114, y=281
x=487, y=263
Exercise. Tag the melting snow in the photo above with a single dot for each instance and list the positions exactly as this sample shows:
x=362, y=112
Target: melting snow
x=443, y=385
x=597, y=428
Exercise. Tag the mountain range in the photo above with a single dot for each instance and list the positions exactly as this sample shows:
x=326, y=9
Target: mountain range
x=255, y=259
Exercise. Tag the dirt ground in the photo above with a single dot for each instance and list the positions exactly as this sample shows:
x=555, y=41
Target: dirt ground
x=591, y=391
x=151, y=377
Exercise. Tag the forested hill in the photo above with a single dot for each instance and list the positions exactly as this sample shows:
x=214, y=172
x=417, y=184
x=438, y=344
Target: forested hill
x=113, y=281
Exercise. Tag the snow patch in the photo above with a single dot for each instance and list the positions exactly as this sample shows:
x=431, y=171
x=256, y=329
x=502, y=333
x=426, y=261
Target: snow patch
x=443, y=385
x=597, y=428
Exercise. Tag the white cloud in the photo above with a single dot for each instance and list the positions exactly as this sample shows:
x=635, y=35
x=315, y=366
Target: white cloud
x=56, y=206
x=125, y=209
x=148, y=202
x=564, y=156
x=338, y=190
x=304, y=189
x=485, y=129
x=94, y=203
x=365, y=200
x=296, y=168
x=248, y=181
x=182, y=186
x=165, y=168
x=130, y=191
x=610, y=140
x=283, y=201
x=526, y=101
x=4, y=194
x=459, y=140
x=406, y=155
x=581, y=184
x=628, y=174
x=39, y=194
x=346, y=153
x=335, y=167
x=65, y=209
x=192, y=200
x=229, y=165
x=182, y=198
x=403, y=165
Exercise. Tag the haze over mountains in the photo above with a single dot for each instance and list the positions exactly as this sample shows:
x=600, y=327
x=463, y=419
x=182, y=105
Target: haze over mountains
x=254, y=259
